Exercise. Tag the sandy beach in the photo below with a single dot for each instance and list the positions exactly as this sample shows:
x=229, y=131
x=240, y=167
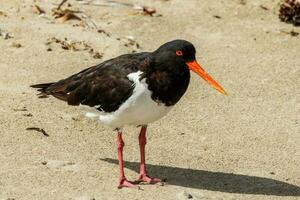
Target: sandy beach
x=242, y=146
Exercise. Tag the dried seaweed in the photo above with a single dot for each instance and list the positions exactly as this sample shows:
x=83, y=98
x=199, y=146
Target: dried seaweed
x=65, y=15
x=69, y=45
x=129, y=41
x=74, y=46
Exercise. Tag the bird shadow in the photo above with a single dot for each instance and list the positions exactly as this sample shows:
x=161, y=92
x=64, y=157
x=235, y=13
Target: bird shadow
x=216, y=181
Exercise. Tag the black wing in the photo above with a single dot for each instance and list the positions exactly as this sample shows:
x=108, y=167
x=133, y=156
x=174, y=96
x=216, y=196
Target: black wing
x=105, y=85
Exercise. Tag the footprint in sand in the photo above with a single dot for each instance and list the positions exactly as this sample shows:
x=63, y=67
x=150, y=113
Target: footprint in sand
x=62, y=165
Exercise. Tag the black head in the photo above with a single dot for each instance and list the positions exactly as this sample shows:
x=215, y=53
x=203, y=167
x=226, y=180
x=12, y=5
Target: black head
x=181, y=49
x=179, y=54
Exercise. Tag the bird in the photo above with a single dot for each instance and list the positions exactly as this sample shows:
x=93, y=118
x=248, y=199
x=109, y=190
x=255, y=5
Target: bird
x=132, y=89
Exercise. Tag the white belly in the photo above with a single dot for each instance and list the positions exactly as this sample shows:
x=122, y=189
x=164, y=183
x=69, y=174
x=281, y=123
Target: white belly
x=138, y=109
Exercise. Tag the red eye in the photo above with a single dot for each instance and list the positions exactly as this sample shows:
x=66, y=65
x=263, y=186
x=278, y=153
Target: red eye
x=179, y=53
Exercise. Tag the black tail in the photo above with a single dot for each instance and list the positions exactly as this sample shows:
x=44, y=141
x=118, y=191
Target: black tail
x=42, y=88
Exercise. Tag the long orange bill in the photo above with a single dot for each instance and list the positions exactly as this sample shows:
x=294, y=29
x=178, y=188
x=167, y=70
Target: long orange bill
x=195, y=67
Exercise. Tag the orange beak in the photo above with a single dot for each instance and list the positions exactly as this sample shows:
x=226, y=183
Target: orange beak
x=195, y=67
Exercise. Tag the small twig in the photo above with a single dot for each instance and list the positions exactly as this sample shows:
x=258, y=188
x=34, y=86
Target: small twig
x=38, y=10
x=111, y=3
x=217, y=16
x=108, y=3
x=292, y=33
x=263, y=7
x=61, y=4
x=39, y=130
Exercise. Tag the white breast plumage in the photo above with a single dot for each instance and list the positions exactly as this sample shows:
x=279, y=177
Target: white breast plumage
x=138, y=109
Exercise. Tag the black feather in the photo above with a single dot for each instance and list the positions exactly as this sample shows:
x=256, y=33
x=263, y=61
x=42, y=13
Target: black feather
x=105, y=85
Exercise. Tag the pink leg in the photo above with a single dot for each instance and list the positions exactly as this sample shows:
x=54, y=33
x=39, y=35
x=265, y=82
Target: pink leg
x=143, y=177
x=123, y=182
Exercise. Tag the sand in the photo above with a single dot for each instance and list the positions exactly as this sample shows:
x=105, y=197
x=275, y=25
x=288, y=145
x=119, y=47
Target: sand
x=210, y=146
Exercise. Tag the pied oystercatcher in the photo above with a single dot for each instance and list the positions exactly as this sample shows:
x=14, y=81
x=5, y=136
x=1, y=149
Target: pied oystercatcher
x=132, y=89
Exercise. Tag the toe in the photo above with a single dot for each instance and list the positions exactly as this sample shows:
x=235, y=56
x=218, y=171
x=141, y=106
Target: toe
x=145, y=178
x=126, y=183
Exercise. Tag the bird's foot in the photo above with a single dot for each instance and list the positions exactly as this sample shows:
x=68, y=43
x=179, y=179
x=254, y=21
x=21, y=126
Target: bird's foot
x=146, y=179
x=126, y=183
